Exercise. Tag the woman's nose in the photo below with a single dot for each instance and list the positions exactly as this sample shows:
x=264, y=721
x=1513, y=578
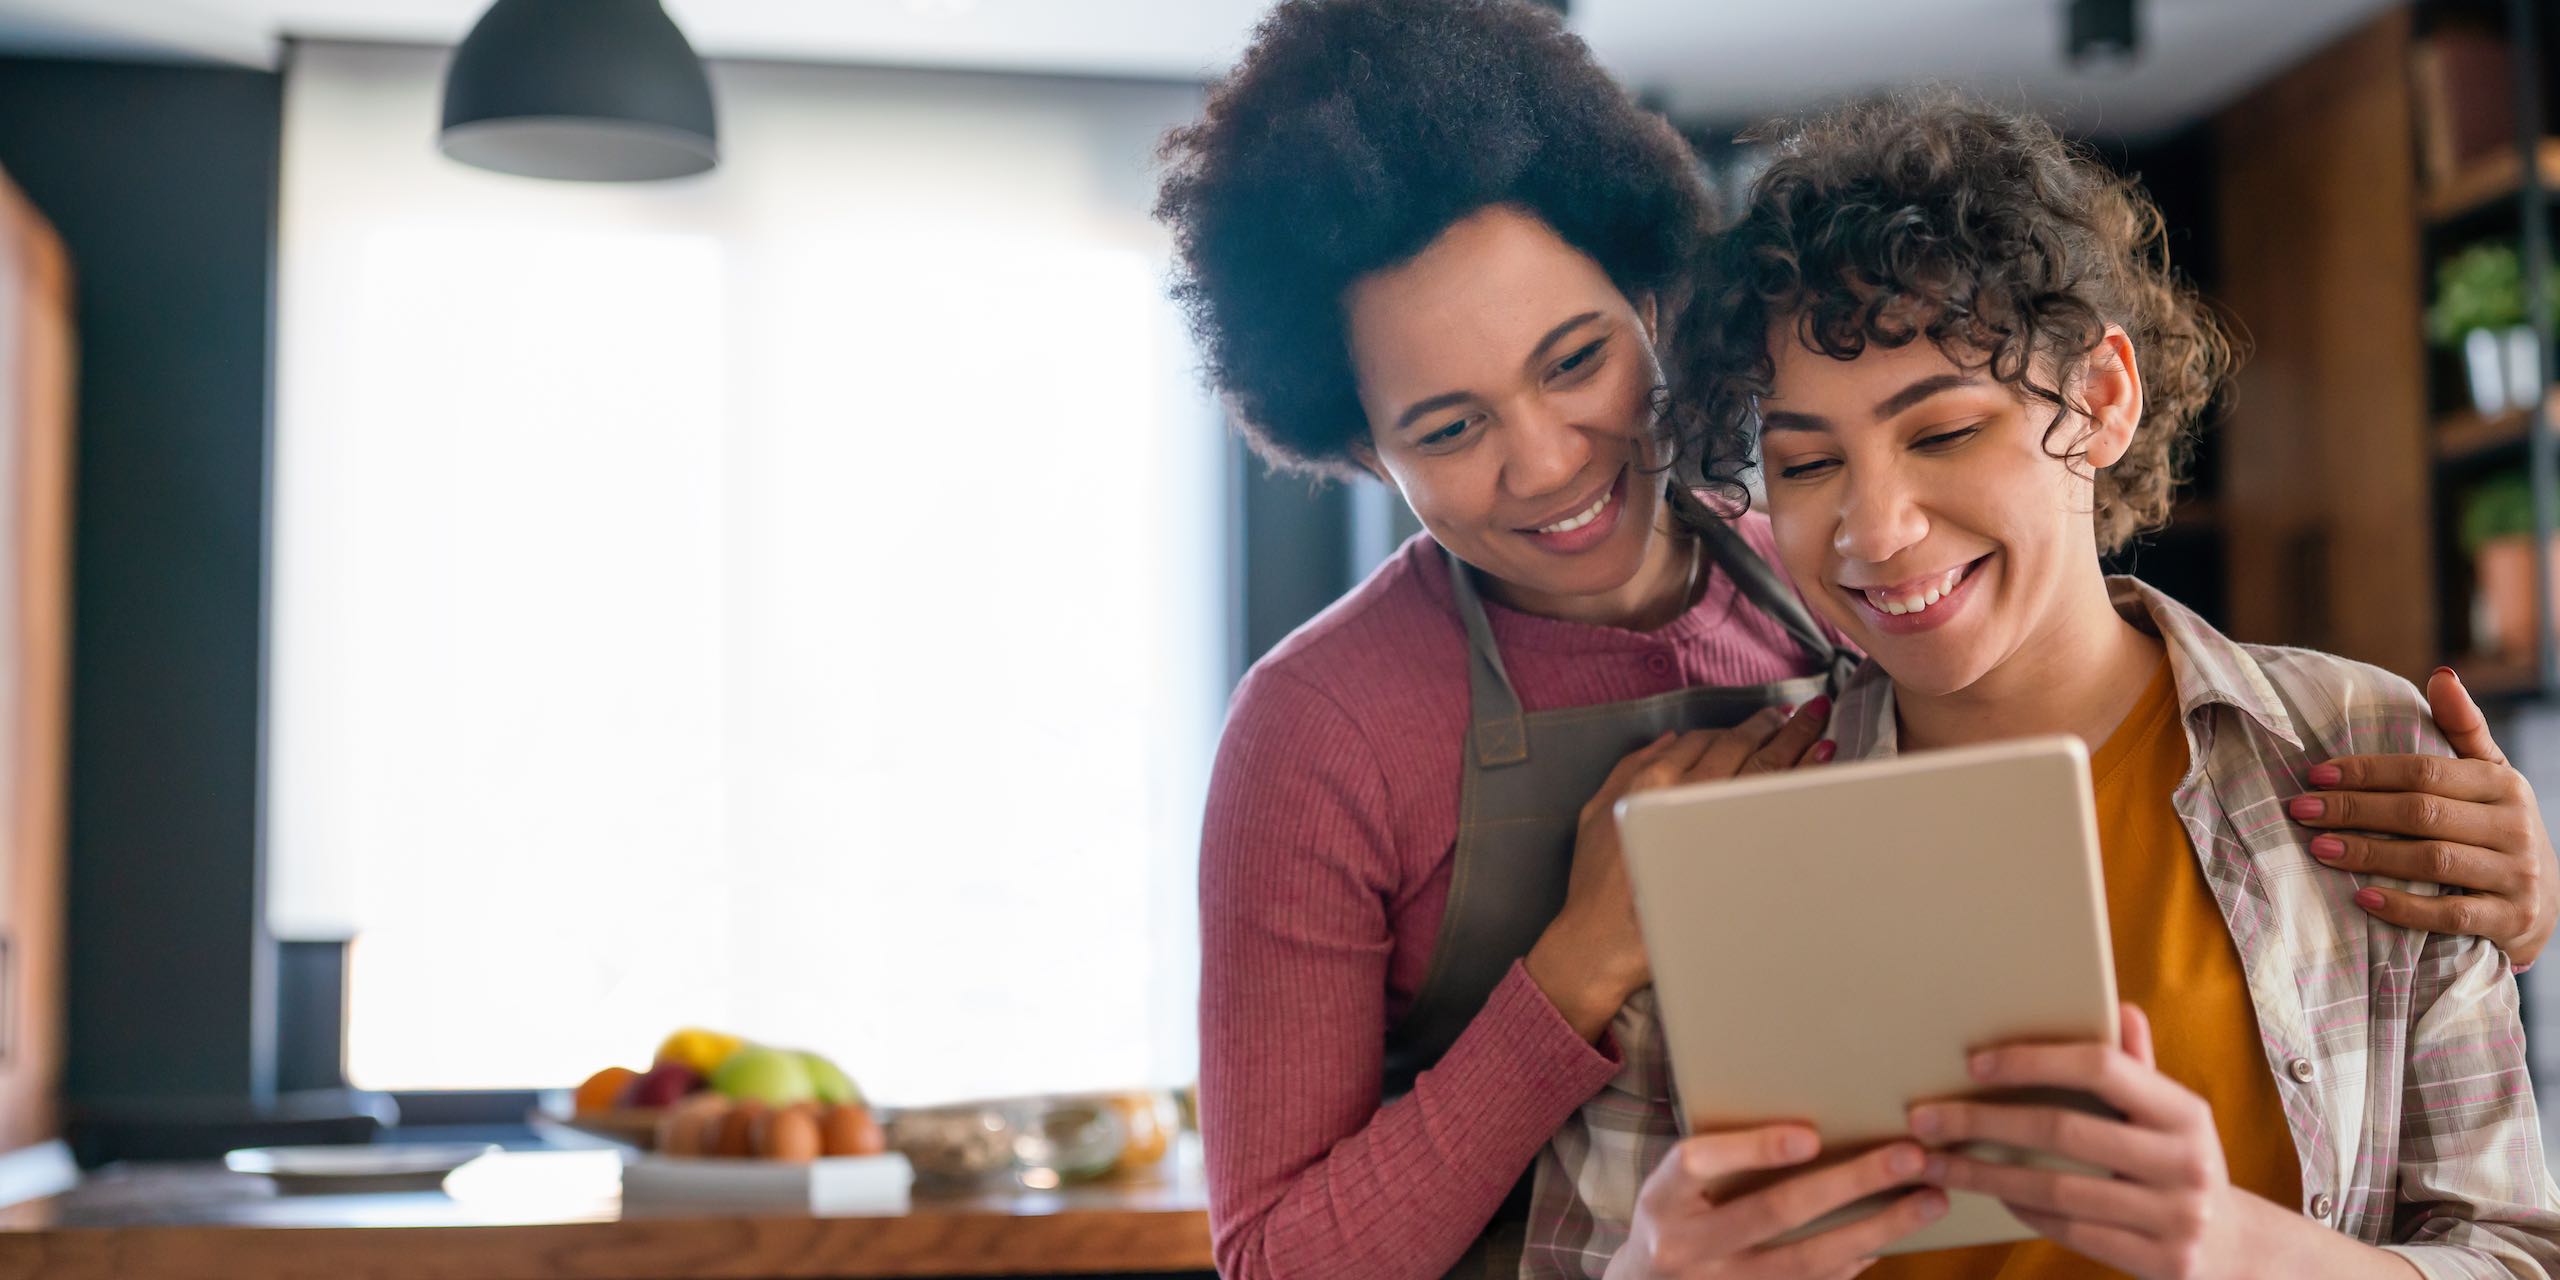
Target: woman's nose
x=1878, y=519
x=1548, y=452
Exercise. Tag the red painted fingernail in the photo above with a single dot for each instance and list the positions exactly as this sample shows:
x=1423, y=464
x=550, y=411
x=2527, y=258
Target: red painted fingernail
x=1820, y=706
x=2369, y=899
x=2306, y=807
x=2327, y=775
x=2328, y=848
x=1824, y=750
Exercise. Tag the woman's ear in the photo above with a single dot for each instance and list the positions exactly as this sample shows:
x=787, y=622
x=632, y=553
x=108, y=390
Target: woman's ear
x=1652, y=317
x=1367, y=458
x=2111, y=388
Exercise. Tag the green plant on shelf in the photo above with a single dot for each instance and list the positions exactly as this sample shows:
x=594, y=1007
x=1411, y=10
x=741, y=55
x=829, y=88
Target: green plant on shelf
x=2498, y=507
x=2481, y=287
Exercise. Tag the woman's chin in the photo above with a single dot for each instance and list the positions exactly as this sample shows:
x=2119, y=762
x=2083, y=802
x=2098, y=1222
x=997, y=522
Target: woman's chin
x=1920, y=674
x=1600, y=572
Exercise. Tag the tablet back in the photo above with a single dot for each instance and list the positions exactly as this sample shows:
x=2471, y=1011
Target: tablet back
x=1828, y=944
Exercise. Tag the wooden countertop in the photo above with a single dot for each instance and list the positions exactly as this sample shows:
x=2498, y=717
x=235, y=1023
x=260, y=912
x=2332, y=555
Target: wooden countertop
x=558, y=1216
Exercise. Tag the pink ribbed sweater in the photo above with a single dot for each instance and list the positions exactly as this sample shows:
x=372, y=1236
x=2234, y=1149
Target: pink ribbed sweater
x=1324, y=870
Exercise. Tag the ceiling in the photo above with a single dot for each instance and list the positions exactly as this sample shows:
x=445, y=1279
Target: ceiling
x=1707, y=60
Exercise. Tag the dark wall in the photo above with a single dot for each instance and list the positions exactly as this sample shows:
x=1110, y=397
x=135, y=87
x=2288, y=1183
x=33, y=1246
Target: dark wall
x=1293, y=553
x=162, y=183
x=2188, y=558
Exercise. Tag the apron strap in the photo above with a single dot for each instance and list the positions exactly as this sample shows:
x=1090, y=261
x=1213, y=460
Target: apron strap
x=1759, y=581
x=1499, y=734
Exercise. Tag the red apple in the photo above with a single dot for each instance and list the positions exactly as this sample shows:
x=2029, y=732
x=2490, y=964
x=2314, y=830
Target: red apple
x=665, y=1083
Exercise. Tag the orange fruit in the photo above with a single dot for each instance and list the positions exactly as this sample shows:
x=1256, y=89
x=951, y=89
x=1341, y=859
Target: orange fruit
x=602, y=1088
x=1148, y=1140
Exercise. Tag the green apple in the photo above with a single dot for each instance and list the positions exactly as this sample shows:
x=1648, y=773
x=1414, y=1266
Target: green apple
x=774, y=1077
x=833, y=1085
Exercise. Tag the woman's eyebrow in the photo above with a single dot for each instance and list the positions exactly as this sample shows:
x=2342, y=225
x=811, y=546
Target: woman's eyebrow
x=1420, y=408
x=1922, y=390
x=1538, y=354
x=1451, y=399
x=1782, y=420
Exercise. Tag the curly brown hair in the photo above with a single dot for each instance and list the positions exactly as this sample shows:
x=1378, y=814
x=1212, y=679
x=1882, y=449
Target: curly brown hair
x=1930, y=215
x=1352, y=134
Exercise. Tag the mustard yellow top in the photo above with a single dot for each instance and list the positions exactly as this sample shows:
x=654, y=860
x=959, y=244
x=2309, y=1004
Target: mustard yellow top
x=2174, y=959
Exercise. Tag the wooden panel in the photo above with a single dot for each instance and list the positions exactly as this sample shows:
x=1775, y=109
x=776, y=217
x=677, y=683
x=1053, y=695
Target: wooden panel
x=2325, y=455
x=35, y=727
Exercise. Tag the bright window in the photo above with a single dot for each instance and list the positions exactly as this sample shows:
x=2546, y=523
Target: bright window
x=790, y=601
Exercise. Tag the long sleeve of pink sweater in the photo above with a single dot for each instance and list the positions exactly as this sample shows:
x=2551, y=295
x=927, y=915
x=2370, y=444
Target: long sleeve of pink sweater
x=1310, y=1176
x=1325, y=861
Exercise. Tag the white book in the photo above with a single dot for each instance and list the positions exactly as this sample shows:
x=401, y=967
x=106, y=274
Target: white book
x=831, y=1185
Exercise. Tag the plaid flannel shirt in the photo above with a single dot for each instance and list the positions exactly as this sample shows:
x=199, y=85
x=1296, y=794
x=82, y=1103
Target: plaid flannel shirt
x=2398, y=1054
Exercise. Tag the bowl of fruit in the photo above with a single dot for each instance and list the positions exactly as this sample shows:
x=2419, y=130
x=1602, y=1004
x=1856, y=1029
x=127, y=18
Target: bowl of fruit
x=707, y=1093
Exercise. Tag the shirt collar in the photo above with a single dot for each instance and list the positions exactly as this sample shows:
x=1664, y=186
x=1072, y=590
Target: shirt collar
x=2208, y=666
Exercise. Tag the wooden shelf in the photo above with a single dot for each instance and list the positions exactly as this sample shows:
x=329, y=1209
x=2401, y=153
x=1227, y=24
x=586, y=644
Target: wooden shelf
x=2496, y=679
x=2463, y=436
x=2488, y=179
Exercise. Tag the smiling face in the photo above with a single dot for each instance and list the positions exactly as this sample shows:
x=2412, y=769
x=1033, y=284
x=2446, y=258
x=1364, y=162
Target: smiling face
x=1921, y=508
x=1509, y=387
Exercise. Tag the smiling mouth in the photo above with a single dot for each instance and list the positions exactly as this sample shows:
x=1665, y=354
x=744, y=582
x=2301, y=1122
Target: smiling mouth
x=1609, y=493
x=1908, y=598
x=1584, y=516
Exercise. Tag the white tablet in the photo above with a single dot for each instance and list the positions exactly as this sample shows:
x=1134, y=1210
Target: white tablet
x=1829, y=944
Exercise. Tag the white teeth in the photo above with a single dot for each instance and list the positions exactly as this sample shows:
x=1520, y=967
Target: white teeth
x=1936, y=591
x=1588, y=515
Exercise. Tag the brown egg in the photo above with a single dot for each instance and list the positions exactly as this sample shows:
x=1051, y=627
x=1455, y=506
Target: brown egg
x=708, y=1124
x=738, y=1130
x=789, y=1134
x=690, y=1127
x=848, y=1129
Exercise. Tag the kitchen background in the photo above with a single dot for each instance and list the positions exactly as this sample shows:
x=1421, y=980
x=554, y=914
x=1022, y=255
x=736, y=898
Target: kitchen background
x=507, y=620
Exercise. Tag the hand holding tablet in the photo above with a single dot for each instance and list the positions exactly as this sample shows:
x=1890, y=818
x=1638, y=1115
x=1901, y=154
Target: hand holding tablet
x=1684, y=1225
x=1965, y=909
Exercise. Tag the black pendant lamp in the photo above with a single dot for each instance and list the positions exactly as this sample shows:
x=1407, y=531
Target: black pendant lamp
x=586, y=90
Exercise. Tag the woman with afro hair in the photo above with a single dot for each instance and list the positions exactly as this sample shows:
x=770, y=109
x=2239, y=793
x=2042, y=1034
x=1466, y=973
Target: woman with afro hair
x=1432, y=242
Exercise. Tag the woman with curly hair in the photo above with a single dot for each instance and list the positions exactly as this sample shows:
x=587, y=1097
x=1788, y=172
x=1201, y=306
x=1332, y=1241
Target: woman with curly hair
x=1431, y=242
x=1951, y=344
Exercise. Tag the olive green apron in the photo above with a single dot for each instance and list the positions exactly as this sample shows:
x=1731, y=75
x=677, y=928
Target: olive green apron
x=1527, y=777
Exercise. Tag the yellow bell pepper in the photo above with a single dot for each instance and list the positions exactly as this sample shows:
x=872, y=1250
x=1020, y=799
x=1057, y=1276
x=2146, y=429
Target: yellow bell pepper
x=701, y=1050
